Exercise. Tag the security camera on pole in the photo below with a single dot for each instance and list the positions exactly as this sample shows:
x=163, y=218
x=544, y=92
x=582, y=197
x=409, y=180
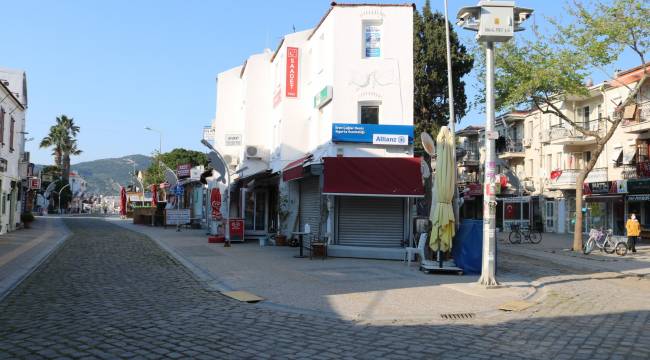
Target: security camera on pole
x=495, y=21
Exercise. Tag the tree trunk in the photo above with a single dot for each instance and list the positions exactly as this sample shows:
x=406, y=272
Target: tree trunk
x=66, y=168
x=577, y=228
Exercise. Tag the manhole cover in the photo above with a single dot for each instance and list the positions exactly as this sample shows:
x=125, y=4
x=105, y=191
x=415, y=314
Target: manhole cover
x=458, y=316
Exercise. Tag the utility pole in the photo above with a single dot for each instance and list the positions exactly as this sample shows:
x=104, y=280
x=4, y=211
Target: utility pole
x=452, y=118
x=494, y=21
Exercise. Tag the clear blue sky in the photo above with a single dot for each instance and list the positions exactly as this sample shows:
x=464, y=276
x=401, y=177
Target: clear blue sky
x=118, y=66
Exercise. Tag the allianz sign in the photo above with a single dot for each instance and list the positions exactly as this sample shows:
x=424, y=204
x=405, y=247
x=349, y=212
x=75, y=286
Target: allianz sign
x=387, y=139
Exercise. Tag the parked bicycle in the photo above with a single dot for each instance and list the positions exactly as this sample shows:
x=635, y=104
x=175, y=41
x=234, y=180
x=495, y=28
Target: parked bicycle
x=518, y=233
x=604, y=241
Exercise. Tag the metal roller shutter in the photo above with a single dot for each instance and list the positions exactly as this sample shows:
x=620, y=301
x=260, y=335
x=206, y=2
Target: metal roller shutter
x=310, y=205
x=370, y=221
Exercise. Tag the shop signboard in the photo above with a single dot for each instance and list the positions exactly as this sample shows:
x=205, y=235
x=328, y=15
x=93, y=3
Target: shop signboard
x=232, y=139
x=183, y=171
x=373, y=134
x=618, y=187
x=323, y=97
x=177, y=216
x=599, y=187
x=292, y=73
x=638, y=186
x=475, y=189
x=645, y=197
x=236, y=229
x=208, y=133
x=34, y=183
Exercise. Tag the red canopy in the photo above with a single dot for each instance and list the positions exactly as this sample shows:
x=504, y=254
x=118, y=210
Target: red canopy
x=122, y=201
x=373, y=176
x=294, y=169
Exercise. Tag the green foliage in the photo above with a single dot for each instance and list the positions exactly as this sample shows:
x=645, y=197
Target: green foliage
x=155, y=173
x=535, y=72
x=62, y=138
x=431, y=99
x=26, y=217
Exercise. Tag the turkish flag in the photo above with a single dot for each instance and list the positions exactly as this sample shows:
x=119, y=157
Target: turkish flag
x=556, y=174
x=215, y=202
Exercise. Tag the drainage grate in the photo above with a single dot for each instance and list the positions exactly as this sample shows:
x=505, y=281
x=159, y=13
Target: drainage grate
x=458, y=316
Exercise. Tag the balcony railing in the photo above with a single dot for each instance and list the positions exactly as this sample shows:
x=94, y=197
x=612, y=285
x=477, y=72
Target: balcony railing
x=570, y=176
x=568, y=132
x=471, y=157
x=512, y=146
x=640, y=170
x=643, y=118
x=466, y=178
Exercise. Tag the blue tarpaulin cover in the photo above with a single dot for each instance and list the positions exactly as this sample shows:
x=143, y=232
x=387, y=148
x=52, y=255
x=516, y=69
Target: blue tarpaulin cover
x=468, y=246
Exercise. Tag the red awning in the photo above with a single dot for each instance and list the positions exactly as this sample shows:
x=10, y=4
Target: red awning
x=293, y=170
x=373, y=176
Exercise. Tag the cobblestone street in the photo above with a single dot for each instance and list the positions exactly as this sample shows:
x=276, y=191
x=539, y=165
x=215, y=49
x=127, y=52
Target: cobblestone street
x=112, y=293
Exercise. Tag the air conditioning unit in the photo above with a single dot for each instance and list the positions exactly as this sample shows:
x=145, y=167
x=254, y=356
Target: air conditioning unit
x=231, y=161
x=255, y=152
x=527, y=142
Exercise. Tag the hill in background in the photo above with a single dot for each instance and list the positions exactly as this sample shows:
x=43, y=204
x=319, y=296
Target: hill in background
x=104, y=176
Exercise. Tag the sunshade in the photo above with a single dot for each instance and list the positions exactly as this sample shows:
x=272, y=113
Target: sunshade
x=442, y=217
x=122, y=201
x=154, y=195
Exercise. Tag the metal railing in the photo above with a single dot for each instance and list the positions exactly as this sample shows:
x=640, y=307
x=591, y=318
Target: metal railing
x=563, y=131
x=466, y=178
x=512, y=146
x=570, y=176
x=644, y=115
x=639, y=170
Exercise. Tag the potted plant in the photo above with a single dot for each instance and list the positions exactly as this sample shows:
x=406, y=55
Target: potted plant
x=27, y=218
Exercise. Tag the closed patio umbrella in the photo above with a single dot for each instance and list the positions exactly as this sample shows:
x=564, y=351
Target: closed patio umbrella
x=154, y=195
x=122, y=201
x=442, y=216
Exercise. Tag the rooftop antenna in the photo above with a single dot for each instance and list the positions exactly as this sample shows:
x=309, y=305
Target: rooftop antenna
x=293, y=27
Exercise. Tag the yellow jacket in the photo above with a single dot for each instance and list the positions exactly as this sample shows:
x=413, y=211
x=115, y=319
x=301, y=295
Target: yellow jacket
x=633, y=227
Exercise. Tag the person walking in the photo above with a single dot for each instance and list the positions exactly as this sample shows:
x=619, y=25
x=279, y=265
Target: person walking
x=633, y=228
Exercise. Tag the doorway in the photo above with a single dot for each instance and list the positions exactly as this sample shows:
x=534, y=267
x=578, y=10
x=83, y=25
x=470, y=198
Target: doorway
x=255, y=205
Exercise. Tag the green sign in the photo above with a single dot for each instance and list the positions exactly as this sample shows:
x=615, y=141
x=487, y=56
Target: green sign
x=323, y=97
x=638, y=186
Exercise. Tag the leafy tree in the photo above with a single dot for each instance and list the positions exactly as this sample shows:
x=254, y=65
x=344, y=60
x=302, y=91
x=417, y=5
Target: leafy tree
x=543, y=71
x=155, y=173
x=431, y=94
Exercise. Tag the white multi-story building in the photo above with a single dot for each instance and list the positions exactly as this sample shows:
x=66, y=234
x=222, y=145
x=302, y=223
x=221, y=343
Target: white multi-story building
x=540, y=157
x=13, y=160
x=322, y=131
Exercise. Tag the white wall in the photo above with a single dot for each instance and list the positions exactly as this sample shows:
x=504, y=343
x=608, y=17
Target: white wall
x=229, y=113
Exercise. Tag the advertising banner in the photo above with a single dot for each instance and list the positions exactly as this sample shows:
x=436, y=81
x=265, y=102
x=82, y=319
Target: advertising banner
x=177, y=216
x=292, y=72
x=215, y=203
x=373, y=41
x=236, y=229
x=373, y=134
x=183, y=170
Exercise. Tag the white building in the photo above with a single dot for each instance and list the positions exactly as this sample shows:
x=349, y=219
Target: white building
x=13, y=160
x=323, y=127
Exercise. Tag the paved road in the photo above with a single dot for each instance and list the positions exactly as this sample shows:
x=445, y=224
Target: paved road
x=112, y=293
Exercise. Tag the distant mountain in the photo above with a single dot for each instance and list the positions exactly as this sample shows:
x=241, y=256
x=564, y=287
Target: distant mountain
x=104, y=176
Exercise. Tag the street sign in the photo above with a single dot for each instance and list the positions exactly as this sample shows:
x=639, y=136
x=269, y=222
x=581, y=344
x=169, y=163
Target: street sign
x=179, y=190
x=34, y=183
x=177, y=216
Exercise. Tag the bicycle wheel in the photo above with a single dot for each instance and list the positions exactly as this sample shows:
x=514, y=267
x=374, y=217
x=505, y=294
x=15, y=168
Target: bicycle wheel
x=621, y=249
x=515, y=237
x=609, y=247
x=588, y=246
x=535, y=237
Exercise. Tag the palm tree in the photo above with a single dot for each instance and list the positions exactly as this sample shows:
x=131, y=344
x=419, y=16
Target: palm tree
x=62, y=138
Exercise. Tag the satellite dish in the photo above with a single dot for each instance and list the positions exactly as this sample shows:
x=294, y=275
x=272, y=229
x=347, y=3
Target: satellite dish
x=217, y=165
x=170, y=177
x=428, y=144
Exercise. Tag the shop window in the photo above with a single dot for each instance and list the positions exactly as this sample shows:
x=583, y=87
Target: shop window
x=512, y=211
x=372, y=39
x=550, y=210
x=369, y=113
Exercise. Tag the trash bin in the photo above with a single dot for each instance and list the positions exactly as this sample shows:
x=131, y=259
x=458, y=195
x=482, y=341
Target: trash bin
x=468, y=246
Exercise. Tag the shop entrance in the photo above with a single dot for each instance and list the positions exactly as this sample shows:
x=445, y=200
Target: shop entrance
x=549, y=212
x=255, y=205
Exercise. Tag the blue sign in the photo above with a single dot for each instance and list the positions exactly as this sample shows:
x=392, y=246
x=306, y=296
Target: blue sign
x=373, y=134
x=179, y=190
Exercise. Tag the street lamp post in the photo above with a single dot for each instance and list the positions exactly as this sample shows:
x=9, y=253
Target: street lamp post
x=494, y=21
x=160, y=138
x=65, y=186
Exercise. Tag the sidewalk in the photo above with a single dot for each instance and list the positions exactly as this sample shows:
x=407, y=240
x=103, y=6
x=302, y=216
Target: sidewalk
x=556, y=248
x=351, y=289
x=23, y=250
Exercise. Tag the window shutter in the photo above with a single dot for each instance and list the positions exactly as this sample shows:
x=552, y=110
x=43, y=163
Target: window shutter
x=2, y=126
x=11, y=135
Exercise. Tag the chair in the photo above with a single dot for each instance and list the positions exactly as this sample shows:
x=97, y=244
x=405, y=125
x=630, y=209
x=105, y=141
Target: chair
x=419, y=249
x=319, y=245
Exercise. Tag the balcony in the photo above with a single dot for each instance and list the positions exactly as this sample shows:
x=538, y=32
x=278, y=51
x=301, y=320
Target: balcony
x=565, y=134
x=567, y=180
x=636, y=171
x=467, y=178
x=513, y=149
x=471, y=158
x=639, y=123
